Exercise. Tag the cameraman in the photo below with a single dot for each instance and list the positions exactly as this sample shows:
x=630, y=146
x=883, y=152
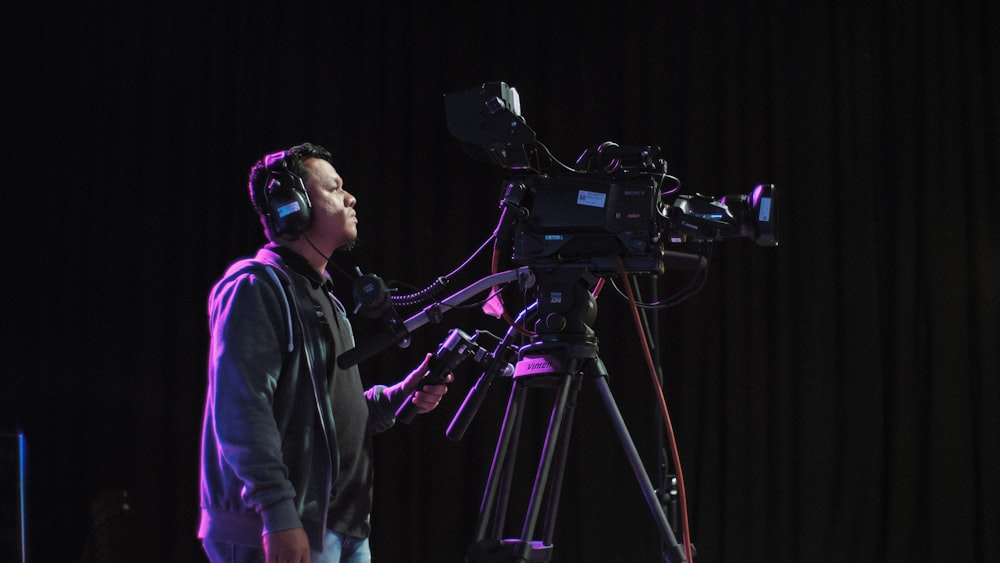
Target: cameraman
x=286, y=461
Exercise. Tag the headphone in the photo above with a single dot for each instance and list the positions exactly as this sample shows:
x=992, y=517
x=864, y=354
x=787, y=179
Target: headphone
x=287, y=208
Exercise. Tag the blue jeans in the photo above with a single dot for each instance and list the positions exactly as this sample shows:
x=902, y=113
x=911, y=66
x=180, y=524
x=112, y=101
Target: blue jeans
x=219, y=552
x=337, y=548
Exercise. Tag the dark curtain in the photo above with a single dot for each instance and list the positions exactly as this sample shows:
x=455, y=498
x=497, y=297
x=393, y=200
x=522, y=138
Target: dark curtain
x=834, y=398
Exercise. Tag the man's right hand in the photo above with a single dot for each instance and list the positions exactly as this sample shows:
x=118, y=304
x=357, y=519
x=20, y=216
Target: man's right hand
x=286, y=546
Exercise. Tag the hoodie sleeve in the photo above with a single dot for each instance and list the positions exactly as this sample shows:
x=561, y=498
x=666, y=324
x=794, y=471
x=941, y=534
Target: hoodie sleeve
x=383, y=402
x=248, y=330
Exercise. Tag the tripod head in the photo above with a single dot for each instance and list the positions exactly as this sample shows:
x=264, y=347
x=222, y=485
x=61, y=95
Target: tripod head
x=564, y=335
x=566, y=304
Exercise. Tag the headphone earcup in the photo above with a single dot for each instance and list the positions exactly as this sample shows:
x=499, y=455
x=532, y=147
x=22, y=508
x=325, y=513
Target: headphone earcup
x=289, y=211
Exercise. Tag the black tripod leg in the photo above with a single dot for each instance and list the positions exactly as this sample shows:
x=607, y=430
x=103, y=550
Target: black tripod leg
x=500, y=470
x=510, y=460
x=555, y=488
x=567, y=388
x=674, y=553
x=551, y=466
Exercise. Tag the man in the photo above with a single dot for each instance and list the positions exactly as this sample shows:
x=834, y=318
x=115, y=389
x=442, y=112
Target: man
x=286, y=472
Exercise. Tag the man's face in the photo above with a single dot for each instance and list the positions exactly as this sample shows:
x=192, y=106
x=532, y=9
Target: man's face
x=334, y=221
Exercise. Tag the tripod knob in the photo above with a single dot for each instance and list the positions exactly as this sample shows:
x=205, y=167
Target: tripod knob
x=553, y=322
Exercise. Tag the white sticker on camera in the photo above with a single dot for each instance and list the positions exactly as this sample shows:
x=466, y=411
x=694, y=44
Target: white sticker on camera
x=591, y=199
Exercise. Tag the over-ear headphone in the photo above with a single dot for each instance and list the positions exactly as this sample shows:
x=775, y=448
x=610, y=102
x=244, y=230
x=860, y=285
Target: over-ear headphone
x=287, y=208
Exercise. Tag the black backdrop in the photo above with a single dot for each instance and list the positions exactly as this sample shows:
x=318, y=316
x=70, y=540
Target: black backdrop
x=834, y=399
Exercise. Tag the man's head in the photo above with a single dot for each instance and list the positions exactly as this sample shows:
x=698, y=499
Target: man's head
x=298, y=193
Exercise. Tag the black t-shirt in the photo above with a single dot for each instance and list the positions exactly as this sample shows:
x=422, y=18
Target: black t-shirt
x=350, y=508
x=351, y=502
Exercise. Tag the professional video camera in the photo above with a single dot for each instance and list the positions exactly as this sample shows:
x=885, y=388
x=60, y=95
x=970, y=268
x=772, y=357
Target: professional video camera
x=610, y=205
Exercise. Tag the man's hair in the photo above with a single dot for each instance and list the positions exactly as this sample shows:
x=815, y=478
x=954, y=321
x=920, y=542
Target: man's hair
x=294, y=158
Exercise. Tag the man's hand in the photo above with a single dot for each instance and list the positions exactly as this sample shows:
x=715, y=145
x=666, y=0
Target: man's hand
x=286, y=546
x=427, y=397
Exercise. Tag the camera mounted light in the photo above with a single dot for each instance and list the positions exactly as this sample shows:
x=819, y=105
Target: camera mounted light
x=487, y=119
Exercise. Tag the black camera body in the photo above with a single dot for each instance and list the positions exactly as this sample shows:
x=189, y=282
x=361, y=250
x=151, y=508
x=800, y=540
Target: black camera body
x=585, y=219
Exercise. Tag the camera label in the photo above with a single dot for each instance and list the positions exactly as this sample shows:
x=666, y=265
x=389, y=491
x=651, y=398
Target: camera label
x=537, y=365
x=591, y=199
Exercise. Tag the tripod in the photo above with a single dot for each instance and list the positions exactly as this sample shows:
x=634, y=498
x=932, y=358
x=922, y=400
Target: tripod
x=562, y=355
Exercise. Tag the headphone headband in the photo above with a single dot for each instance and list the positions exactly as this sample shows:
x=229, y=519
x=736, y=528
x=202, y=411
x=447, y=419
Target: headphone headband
x=275, y=159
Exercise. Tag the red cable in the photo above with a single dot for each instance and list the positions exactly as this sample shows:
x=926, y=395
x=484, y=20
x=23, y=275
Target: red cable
x=663, y=408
